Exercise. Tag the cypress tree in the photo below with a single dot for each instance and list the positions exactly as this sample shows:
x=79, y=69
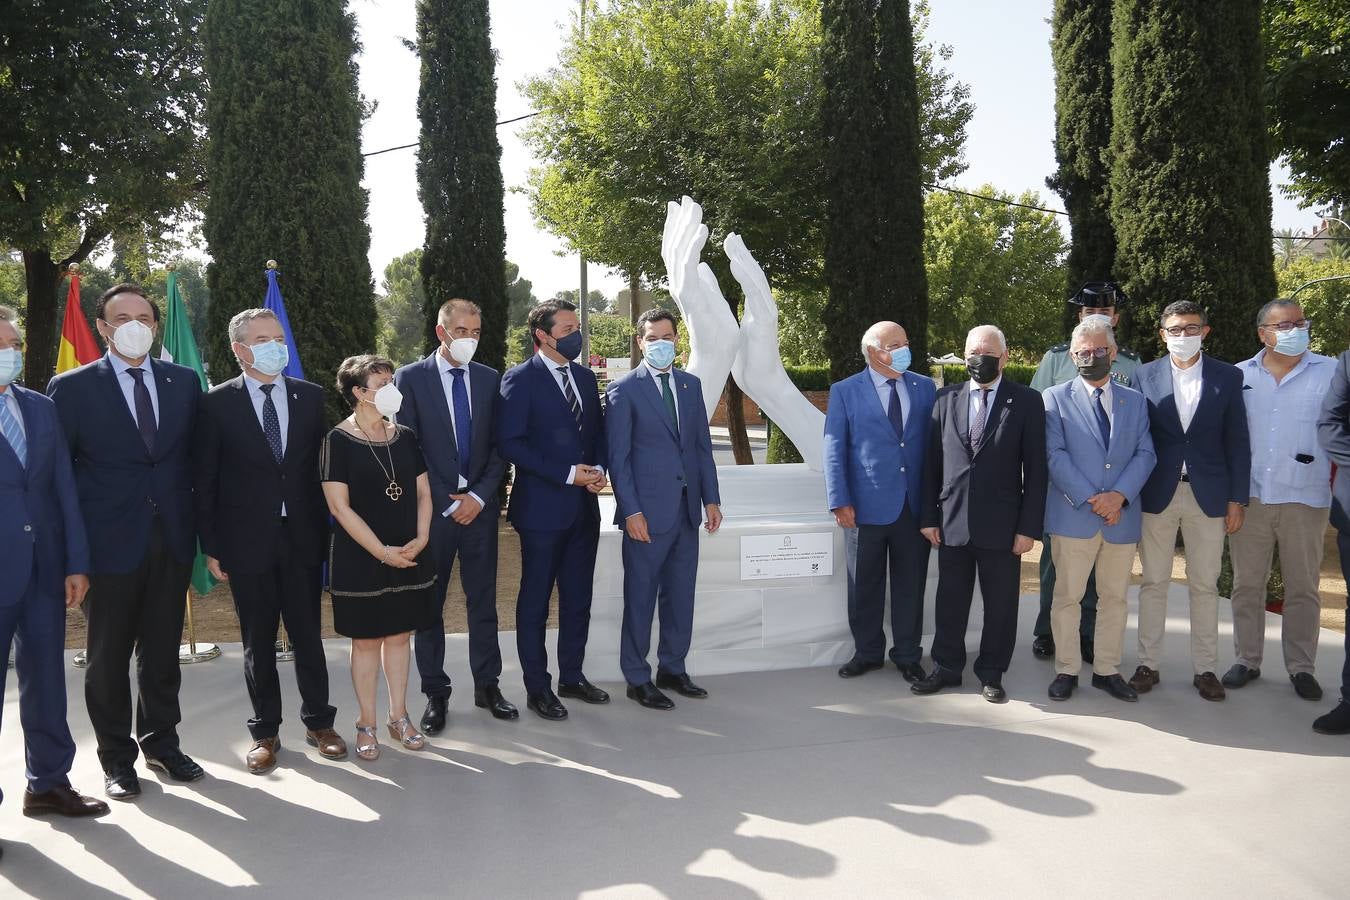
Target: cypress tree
x=873, y=178
x=459, y=174
x=1190, y=182
x=284, y=115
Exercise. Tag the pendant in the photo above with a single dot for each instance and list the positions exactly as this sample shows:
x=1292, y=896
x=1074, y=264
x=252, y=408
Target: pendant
x=393, y=492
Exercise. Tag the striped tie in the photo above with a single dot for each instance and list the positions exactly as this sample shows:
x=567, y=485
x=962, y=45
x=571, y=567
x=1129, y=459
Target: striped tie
x=570, y=395
x=13, y=431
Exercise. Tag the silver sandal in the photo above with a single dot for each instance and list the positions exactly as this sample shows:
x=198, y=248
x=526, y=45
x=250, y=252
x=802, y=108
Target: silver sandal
x=402, y=730
x=367, y=743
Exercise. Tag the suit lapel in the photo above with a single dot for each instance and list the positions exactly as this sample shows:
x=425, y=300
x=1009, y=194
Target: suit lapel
x=545, y=368
x=993, y=413
x=683, y=404
x=30, y=436
x=441, y=398
x=1083, y=401
x=293, y=413
x=113, y=395
x=244, y=405
x=961, y=400
x=650, y=389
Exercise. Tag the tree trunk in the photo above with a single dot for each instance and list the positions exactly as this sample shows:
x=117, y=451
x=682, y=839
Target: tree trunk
x=43, y=279
x=740, y=441
x=634, y=286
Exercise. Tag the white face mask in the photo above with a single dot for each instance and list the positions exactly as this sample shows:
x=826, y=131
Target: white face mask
x=1184, y=347
x=388, y=400
x=463, y=349
x=133, y=339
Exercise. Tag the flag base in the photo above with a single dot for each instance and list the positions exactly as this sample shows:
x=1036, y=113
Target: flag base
x=195, y=653
x=285, y=652
x=80, y=660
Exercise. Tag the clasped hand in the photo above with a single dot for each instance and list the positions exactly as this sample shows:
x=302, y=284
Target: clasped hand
x=592, y=478
x=1108, y=505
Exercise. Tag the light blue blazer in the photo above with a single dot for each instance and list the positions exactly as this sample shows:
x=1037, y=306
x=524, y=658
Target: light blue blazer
x=1080, y=466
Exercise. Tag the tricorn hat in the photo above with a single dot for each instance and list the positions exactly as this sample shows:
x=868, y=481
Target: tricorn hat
x=1096, y=294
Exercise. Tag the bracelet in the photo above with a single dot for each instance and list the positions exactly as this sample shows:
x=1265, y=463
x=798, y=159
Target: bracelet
x=384, y=559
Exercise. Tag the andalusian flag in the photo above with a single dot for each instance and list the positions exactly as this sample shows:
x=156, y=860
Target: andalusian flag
x=180, y=347
x=78, y=346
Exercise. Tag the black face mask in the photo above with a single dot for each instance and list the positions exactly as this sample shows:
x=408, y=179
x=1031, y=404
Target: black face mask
x=1095, y=369
x=982, y=369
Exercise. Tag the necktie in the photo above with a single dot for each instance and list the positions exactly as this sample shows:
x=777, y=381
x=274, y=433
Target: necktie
x=668, y=396
x=271, y=424
x=571, y=395
x=981, y=413
x=145, y=410
x=1103, y=423
x=459, y=396
x=13, y=431
x=894, y=412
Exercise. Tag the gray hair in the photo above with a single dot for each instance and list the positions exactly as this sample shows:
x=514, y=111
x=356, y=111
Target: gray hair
x=239, y=324
x=1094, y=325
x=1263, y=312
x=11, y=315
x=872, y=337
x=980, y=331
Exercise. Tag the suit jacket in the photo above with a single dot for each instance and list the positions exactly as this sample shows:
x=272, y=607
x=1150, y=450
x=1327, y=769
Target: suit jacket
x=42, y=537
x=240, y=488
x=986, y=498
x=656, y=470
x=426, y=412
x=1333, y=433
x=866, y=465
x=1216, y=448
x=538, y=435
x=1081, y=466
x=121, y=484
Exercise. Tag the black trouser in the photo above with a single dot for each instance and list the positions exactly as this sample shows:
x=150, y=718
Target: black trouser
x=1087, y=624
x=475, y=545
x=899, y=550
x=290, y=591
x=999, y=572
x=140, y=611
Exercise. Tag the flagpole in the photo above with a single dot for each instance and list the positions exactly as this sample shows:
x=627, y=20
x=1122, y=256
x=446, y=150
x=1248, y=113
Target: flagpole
x=192, y=652
x=81, y=658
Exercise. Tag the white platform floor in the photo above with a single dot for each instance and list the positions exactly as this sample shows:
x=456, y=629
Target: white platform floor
x=781, y=784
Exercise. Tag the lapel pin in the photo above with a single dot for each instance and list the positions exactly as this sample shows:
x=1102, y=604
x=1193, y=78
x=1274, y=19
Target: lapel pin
x=169, y=380
x=295, y=396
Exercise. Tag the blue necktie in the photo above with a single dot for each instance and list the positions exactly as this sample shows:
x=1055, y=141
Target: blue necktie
x=894, y=412
x=1103, y=423
x=459, y=394
x=13, y=431
x=571, y=396
x=271, y=423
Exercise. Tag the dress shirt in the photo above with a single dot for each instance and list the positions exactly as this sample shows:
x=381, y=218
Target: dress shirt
x=258, y=398
x=558, y=378
x=1186, y=385
x=11, y=401
x=443, y=367
x=884, y=392
x=657, y=382
x=128, y=384
x=992, y=388
x=1105, y=399
x=1282, y=419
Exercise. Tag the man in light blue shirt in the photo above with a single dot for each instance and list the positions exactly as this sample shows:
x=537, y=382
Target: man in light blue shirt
x=1283, y=386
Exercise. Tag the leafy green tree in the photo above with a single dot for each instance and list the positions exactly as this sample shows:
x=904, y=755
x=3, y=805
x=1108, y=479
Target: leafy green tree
x=401, y=333
x=459, y=173
x=596, y=301
x=1190, y=182
x=1327, y=304
x=520, y=297
x=1288, y=244
x=285, y=169
x=101, y=102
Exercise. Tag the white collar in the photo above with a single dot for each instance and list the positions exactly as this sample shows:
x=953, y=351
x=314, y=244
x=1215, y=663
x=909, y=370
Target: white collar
x=445, y=365
x=991, y=387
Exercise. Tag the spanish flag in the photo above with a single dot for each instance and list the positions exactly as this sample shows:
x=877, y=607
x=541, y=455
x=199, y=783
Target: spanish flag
x=78, y=346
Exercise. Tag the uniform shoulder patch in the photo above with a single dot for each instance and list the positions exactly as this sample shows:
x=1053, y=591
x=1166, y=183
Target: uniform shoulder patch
x=1059, y=348
x=1128, y=353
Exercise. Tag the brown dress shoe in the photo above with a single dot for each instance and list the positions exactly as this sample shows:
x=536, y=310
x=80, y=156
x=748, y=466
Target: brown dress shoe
x=1209, y=687
x=330, y=745
x=62, y=801
x=262, y=756
x=1144, y=679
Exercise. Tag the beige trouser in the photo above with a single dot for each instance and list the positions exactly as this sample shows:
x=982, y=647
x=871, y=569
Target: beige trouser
x=1074, y=561
x=1203, y=536
x=1300, y=531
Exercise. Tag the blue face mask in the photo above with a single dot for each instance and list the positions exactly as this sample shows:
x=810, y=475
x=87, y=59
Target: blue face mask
x=270, y=358
x=660, y=354
x=11, y=364
x=570, y=346
x=1292, y=342
x=900, y=358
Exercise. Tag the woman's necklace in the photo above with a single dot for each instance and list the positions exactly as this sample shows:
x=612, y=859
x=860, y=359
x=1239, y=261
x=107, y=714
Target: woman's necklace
x=393, y=492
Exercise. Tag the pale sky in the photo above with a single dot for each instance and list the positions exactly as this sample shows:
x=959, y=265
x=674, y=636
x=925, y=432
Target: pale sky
x=1001, y=50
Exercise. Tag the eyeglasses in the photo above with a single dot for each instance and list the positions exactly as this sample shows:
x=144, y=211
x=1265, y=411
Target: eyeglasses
x=1090, y=353
x=1188, y=330
x=1300, y=324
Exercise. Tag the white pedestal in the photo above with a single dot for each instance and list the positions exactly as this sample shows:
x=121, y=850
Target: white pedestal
x=746, y=626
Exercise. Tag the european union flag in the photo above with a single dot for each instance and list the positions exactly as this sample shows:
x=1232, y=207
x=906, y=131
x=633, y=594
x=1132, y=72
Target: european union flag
x=277, y=305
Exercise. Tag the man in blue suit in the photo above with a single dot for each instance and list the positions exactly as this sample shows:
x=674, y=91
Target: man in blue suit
x=1100, y=455
x=451, y=402
x=551, y=427
x=46, y=558
x=661, y=463
x=1198, y=422
x=1333, y=434
x=129, y=423
x=876, y=430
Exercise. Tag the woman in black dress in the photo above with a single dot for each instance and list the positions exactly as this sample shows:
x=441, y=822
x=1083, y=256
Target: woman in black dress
x=381, y=576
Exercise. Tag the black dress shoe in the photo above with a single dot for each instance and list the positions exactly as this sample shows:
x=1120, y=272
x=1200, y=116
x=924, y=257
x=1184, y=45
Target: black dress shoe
x=491, y=699
x=1043, y=647
x=1306, y=686
x=1115, y=686
x=1062, y=687
x=1335, y=722
x=934, y=682
x=121, y=783
x=583, y=690
x=855, y=667
x=680, y=684
x=63, y=801
x=1239, y=675
x=433, y=718
x=911, y=672
x=177, y=765
x=649, y=696
x=993, y=692
x=1086, y=649
x=547, y=706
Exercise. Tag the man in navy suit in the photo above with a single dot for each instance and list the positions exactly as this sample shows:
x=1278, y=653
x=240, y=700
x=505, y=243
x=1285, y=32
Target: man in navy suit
x=1100, y=455
x=1333, y=433
x=876, y=431
x=129, y=423
x=451, y=402
x=1200, y=484
x=46, y=558
x=983, y=507
x=661, y=464
x=551, y=427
